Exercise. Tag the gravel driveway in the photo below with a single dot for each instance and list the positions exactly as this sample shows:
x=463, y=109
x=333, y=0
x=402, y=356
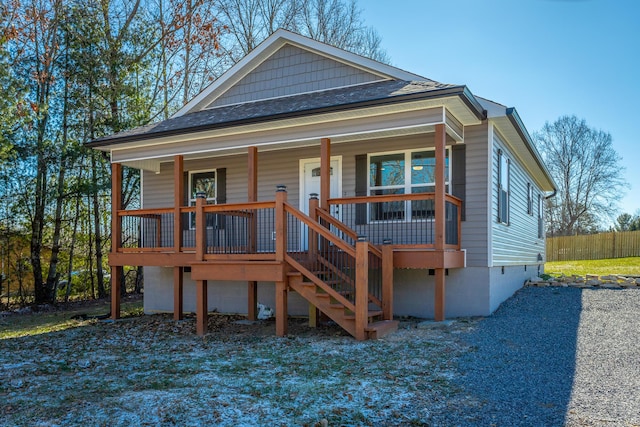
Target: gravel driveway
x=550, y=357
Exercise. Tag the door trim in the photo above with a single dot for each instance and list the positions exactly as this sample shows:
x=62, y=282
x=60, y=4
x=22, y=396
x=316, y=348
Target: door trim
x=304, y=198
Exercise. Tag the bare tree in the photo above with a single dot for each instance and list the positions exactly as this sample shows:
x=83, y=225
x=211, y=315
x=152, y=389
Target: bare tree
x=335, y=22
x=587, y=171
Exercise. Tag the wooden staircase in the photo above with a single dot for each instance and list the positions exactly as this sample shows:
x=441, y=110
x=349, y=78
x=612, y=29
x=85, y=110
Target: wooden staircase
x=341, y=313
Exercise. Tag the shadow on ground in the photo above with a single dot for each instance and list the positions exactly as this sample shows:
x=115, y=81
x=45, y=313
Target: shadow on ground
x=521, y=367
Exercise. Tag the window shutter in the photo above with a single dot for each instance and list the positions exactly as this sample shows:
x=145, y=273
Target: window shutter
x=361, y=187
x=458, y=172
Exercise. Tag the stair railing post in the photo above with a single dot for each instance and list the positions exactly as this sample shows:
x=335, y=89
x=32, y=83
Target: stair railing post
x=387, y=280
x=312, y=244
x=281, y=222
x=362, y=287
x=201, y=229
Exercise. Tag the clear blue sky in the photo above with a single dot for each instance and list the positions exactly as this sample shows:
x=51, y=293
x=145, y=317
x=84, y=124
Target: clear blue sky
x=546, y=58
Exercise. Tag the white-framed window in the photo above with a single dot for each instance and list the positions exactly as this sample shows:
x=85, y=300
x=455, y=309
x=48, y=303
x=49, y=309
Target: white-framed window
x=503, y=187
x=404, y=172
x=202, y=181
x=529, y=198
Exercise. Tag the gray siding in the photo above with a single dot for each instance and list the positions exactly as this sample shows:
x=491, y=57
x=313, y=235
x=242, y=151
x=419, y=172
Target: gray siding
x=475, y=228
x=516, y=243
x=274, y=168
x=289, y=71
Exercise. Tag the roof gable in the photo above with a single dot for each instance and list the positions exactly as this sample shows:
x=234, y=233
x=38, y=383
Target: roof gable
x=292, y=70
x=319, y=66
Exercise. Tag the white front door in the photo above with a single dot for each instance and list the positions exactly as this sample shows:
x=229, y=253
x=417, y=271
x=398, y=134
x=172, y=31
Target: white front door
x=310, y=183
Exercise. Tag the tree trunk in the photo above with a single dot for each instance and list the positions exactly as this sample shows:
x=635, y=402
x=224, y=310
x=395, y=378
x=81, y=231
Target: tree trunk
x=97, y=229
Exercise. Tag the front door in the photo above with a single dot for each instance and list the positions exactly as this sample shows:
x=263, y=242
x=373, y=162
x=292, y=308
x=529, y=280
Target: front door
x=310, y=183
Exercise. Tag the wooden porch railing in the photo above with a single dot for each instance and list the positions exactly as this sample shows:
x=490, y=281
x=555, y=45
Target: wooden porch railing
x=250, y=228
x=403, y=219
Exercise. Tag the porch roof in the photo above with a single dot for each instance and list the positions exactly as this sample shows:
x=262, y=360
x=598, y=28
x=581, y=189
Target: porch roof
x=333, y=100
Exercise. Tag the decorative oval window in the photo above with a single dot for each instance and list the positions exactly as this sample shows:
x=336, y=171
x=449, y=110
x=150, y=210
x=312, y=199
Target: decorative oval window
x=316, y=172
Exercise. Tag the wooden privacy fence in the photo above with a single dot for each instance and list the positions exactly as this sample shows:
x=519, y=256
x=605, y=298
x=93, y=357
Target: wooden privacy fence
x=594, y=246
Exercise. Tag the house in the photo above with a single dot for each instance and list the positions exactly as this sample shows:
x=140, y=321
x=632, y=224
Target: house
x=313, y=180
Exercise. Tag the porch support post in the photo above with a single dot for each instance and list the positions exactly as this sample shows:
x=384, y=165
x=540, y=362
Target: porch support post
x=281, y=308
x=177, y=293
x=116, y=237
x=178, y=200
x=362, y=288
x=387, y=282
x=325, y=172
x=281, y=223
x=252, y=196
x=313, y=252
x=202, y=307
x=440, y=144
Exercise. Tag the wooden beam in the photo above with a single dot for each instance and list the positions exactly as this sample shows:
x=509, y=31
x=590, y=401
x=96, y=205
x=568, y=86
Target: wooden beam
x=178, y=282
x=281, y=223
x=252, y=196
x=362, y=289
x=265, y=271
x=202, y=307
x=440, y=213
x=116, y=205
x=116, y=284
x=252, y=300
x=116, y=237
x=201, y=230
x=252, y=174
x=439, y=201
x=417, y=258
x=178, y=200
x=325, y=173
x=387, y=282
x=164, y=259
x=281, y=308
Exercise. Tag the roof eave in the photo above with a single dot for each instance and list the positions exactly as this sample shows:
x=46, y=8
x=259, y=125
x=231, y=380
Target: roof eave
x=461, y=91
x=516, y=122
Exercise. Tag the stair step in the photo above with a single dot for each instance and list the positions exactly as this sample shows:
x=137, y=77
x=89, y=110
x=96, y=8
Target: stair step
x=371, y=313
x=379, y=329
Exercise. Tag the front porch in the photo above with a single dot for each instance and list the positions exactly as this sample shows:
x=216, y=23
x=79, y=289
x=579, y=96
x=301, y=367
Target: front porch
x=339, y=257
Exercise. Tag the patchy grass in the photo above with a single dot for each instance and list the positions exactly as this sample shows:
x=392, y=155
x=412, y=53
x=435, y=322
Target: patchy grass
x=59, y=319
x=151, y=370
x=601, y=267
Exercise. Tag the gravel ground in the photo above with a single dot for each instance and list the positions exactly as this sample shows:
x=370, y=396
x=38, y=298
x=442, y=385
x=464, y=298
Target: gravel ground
x=550, y=357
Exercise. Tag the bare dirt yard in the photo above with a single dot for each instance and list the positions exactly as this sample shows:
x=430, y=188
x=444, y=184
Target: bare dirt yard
x=548, y=356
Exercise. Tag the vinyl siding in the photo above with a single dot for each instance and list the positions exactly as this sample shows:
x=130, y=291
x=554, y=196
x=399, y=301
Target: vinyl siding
x=474, y=229
x=516, y=243
x=289, y=71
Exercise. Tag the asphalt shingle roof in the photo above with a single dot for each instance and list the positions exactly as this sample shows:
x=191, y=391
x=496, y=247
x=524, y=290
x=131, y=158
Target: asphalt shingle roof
x=278, y=108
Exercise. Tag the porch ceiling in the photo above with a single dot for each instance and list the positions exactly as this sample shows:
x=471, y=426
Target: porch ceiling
x=345, y=126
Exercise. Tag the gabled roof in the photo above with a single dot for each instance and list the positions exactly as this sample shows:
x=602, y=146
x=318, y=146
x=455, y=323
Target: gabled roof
x=271, y=45
x=366, y=95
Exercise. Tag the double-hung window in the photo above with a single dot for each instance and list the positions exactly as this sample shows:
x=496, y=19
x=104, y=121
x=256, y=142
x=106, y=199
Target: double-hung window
x=529, y=198
x=202, y=182
x=404, y=172
x=503, y=188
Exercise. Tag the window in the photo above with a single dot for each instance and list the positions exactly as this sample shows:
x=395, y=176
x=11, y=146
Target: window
x=404, y=173
x=201, y=182
x=503, y=188
x=540, y=217
x=529, y=199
